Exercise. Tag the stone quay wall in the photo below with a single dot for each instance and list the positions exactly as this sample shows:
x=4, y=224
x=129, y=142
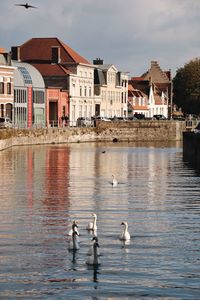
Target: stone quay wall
x=191, y=148
x=132, y=131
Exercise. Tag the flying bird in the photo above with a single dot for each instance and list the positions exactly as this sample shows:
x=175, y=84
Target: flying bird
x=26, y=5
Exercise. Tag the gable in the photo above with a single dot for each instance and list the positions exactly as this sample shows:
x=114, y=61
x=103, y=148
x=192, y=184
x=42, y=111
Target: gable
x=156, y=74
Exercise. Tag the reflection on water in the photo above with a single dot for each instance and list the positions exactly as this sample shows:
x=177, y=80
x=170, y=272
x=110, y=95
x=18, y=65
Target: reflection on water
x=45, y=188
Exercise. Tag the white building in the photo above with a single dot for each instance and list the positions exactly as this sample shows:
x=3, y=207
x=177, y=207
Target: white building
x=110, y=89
x=81, y=91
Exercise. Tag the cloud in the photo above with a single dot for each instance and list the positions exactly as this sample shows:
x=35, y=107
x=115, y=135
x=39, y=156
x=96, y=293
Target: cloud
x=127, y=33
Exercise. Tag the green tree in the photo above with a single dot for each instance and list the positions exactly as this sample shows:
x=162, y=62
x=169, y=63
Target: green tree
x=186, y=87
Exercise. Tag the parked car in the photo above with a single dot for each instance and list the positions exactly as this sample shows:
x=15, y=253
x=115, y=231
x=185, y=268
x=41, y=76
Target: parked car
x=178, y=118
x=84, y=122
x=5, y=122
x=131, y=118
x=139, y=116
x=159, y=117
x=102, y=118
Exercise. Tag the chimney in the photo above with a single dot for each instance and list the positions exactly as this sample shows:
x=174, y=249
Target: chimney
x=15, y=53
x=55, y=55
x=98, y=61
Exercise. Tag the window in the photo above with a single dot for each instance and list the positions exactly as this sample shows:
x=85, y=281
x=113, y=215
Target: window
x=85, y=90
x=38, y=97
x=9, y=88
x=1, y=88
x=73, y=89
x=26, y=75
x=90, y=91
x=20, y=96
x=80, y=90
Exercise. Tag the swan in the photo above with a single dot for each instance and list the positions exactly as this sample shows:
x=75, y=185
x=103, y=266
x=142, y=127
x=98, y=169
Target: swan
x=114, y=181
x=90, y=251
x=125, y=234
x=74, y=242
x=74, y=228
x=93, y=259
x=93, y=225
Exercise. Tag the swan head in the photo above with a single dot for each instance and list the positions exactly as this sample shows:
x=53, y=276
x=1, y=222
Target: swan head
x=124, y=223
x=94, y=215
x=74, y=224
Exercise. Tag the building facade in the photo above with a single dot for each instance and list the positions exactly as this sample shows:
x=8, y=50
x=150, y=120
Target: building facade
x=111, y=90
x=6, y=86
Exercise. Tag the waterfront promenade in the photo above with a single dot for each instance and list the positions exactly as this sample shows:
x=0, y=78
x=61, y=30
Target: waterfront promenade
x=137, y=131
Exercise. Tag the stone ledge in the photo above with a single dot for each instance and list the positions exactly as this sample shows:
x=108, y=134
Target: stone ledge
x=114, y=131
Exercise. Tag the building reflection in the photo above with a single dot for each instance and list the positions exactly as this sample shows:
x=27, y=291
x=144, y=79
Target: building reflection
x=56, y=194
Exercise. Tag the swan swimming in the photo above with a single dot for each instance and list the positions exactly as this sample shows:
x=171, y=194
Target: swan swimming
x=90, y=251
x=114, y=181
x=93, y=259
x=125, y=234
x=74, y=242
x=74, y=228
x=93, y=225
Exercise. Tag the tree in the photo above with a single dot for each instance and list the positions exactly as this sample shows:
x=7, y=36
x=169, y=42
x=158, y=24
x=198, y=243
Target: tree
x=186, y=87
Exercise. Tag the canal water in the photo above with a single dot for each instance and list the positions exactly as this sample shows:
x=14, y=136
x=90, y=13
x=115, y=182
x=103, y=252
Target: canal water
x=44, y=188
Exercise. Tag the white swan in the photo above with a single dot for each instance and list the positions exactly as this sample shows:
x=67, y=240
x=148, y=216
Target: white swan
x=114, y=181
x=74, y=228
x=93, y=259
x=125, y=234
x=93, y=225
x=90, y=251
x=74, y=242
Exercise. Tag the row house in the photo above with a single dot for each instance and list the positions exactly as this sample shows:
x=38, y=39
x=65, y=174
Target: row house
x=64, y=69
x=110, y=89
x=155, y=89
x=6, y=85
x=138, y=91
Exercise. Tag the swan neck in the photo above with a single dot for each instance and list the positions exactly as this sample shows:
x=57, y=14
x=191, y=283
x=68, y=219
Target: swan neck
x=94, y=221
x=126, y=228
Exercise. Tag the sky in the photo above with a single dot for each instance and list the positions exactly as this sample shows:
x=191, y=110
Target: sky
x=126, y=33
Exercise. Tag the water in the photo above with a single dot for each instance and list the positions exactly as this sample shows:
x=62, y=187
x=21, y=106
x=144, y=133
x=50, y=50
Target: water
x=44, y=188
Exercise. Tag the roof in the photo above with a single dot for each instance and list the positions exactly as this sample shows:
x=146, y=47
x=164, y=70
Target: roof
x=157, y=99
x=2, y=50
x=3, y=60
x=25, y=74
x=40, y=49
x=99, y=77
x=136, y=93
x=51, y=69
x=142, y=85
x=156, y=74
x=104, y=67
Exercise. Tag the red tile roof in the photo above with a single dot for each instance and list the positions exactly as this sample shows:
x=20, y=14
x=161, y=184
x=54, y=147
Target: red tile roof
x=51, y=69
x=39, y=49
x=158, y=100
x=2, y=50
x=140, y=107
